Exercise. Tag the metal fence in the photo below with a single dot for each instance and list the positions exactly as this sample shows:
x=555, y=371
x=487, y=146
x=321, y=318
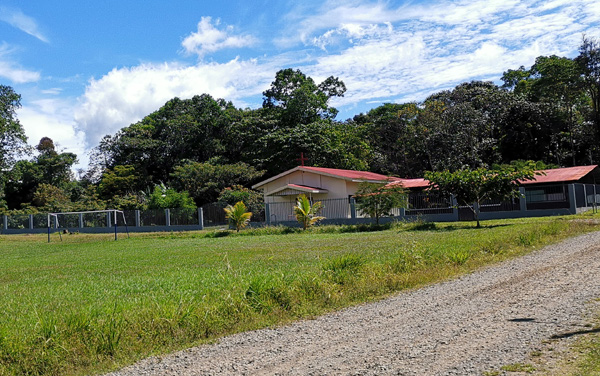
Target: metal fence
x=420, y=203
x=538, y=200
x=547, y=197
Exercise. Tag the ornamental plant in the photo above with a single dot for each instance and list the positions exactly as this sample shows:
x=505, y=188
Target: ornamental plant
x=237, y=215
x=306, y=214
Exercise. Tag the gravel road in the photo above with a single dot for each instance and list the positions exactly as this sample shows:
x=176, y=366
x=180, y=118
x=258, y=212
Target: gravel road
x=466, y=326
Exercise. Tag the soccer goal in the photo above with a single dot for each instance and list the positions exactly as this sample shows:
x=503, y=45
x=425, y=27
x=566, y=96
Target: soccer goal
x=112, y=215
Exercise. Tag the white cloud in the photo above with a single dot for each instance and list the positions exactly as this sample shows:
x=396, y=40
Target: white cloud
x=16, y=18
x=53, y=118
x=402, y=53
x=209, y=39
x=126, y=95
x=11, y=70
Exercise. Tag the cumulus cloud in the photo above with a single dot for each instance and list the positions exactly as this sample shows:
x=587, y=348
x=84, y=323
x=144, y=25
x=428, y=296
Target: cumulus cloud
x=209, y=39
x=53, y=118
x=380, y=52
x=126, y=95
x=16, y=18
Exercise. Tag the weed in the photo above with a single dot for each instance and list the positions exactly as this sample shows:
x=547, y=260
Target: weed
x=109, y=334
x=518, y=367
x=421, y=225
x=405, y=262
x=459, y=257
x=264, y=294
x=343, y=268
x=173, y=290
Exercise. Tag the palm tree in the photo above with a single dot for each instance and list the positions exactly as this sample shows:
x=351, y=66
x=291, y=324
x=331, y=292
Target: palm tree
x=306, y=213
x=237, y=215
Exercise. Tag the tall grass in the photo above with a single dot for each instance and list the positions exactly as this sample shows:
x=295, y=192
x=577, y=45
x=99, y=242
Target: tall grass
x=89, y=304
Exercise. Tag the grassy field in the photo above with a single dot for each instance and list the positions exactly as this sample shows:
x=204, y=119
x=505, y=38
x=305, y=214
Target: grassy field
x=89, y=304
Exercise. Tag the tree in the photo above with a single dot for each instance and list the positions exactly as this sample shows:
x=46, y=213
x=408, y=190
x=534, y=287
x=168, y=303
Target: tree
x=377, y=199
x=51, y=198
x=589, y=62
x=182, y=129
x=205, y=181
x=472, y=187
x=307, y=213
x=299, y=100
x=120, y=180
x=325, y=143
x=168, y=198
x=237, y=215
x=12, y=135
x=48, y=167
x=253, y=200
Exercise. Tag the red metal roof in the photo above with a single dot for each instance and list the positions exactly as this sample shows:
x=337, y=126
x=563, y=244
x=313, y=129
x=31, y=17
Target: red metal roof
x=346, y=174
x=410, y=183
x=557, y=175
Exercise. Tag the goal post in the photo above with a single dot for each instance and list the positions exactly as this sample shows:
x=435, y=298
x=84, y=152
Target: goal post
x=112, y=214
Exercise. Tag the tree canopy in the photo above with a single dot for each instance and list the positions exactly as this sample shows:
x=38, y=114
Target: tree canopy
x=472, y=187
x=548, y=112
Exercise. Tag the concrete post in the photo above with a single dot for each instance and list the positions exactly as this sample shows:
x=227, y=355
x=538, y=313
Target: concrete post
x=267, y=213
x=138, y=222
x=168, y=217
x=522, y=200
x=5, y=222
x=352, y=208
x=454, y=204
x=31, y=221
x=80, y=220
x=108, y=220
x=201, y=218
x=572, y=200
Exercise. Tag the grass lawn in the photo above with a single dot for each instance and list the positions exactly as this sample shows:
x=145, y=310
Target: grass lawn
x=90, y=304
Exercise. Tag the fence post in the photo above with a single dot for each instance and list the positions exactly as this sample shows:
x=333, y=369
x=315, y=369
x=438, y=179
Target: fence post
x=352, y=208
x=31, y=221
x=268, y=213
x=80, y=220
x=168, y=217
x=454, y=204
x=201, y=218
x=572, y=199
x=108, y=220
x=5, y=222
x=138, y=222
x=522, y=200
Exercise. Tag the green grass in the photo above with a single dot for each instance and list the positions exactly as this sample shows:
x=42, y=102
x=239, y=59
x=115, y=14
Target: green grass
x=589, y=350
x=89, y=304
x=518, y=367
x=583, y=357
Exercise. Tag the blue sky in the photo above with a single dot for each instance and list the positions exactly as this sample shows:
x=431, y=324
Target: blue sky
x=87, y=69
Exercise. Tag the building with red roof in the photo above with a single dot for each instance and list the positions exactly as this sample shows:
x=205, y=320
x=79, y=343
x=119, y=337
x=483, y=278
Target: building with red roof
x=317, y=182
x=553, y=191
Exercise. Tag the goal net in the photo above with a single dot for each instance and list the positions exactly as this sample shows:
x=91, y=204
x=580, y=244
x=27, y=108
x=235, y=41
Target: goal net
x=65, y=220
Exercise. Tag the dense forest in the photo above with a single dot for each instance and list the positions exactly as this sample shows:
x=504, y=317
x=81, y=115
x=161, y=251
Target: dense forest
x=201, y=150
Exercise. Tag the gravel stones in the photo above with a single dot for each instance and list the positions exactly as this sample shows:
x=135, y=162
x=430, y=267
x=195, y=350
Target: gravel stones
x=476, y=323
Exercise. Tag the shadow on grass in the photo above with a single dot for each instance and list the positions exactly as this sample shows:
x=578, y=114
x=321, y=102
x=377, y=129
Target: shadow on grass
x=432, y=226
x=575, y=333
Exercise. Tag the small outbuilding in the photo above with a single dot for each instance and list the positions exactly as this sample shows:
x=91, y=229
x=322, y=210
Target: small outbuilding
x=317, y=183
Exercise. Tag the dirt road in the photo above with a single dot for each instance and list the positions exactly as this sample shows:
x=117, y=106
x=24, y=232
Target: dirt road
x=467, y=326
